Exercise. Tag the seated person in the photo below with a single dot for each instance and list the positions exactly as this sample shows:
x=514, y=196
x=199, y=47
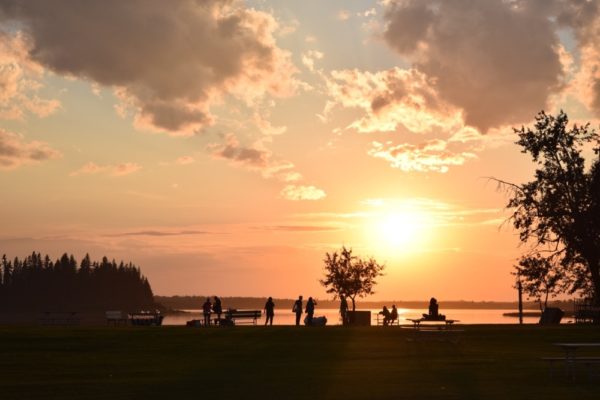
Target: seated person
x=394, y=314
x=386, y=315
x=434, y=314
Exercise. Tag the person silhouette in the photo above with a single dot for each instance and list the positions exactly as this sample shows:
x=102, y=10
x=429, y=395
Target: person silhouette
x=310, y=310
x=269, y=311
x=386, y=315
x=297, y=308
x=218, y=309
x=206, y=309
x=343, y=309
x=433, y=309
x=394, y=314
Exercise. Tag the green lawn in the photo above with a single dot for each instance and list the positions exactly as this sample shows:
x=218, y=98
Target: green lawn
x=491, y=362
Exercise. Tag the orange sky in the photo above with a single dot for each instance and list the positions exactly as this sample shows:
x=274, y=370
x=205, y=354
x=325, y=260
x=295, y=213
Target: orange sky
x=225, y=146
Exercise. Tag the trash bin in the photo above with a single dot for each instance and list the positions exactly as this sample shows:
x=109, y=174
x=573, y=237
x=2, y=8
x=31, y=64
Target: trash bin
x=551, y=315
x=359, y=318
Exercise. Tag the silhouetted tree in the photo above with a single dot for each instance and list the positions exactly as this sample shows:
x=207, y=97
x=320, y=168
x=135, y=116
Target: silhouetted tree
x=350, y=276
x=558, y=213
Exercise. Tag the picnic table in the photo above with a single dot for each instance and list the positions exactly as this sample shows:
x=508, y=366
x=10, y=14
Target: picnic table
x=146, y=318
x=427, y=329
x=433, y=323
x=571, y=358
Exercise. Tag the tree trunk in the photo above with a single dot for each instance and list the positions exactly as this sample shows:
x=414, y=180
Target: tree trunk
x=353, y=304
x=594, y=266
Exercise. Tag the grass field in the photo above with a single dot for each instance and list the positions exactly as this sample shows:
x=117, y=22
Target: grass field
x=490, y=362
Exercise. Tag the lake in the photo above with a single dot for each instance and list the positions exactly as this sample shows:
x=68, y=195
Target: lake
x=465, y=316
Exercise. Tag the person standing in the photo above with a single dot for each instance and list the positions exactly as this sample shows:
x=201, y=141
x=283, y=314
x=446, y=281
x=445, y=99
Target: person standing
x=343, y=309
x=218, y=309
x=206, y=309
x=269, y=311
x=298, y=309
x=310, y=311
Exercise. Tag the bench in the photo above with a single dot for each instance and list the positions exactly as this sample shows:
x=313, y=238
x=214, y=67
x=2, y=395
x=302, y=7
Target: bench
x=60, y=318
x=238, y=316
x=146, y=319
x=380, y=319
x=116, y=318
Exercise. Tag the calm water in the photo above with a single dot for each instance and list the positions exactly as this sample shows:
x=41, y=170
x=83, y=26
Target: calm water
x=285, y=317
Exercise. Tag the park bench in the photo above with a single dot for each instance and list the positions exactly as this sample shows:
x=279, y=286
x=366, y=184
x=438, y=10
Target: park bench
x=60, y=318
x=242, y=316
x=146, y=318
x=379, y=318
x=116, y=318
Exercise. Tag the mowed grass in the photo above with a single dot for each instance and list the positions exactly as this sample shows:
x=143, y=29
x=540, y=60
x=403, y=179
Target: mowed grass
x=490, y=362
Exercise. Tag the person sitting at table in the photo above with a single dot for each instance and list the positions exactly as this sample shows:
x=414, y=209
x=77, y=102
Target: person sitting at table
x=434, y=313
x=386, y=315
x=393, y=314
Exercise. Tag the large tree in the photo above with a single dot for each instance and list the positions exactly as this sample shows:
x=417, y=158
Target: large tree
x=558, y=213
x=350, y=276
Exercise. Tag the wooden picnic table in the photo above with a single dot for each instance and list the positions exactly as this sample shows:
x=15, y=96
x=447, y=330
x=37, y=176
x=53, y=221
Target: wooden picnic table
x=434, y=323
x=571, y=359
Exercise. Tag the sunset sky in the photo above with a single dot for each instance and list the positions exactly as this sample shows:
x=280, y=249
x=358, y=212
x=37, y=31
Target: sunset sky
x=225, y=146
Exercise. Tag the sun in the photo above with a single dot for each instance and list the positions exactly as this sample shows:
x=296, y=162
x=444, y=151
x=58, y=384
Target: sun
x=399, y=231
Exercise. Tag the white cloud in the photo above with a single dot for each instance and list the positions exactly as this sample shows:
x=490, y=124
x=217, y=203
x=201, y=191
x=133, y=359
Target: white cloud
x=298, y=192
x=431, y=156
x=390, y=98
x=20, y=81
x=117, y=170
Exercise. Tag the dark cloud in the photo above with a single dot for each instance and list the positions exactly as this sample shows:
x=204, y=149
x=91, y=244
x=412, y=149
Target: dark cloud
x=159, y=233
x=15, y=151
x=499, y=61
x=170, y=60
x=298, y=228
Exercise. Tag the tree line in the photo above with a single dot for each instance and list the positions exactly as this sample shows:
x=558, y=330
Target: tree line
x=36, y=283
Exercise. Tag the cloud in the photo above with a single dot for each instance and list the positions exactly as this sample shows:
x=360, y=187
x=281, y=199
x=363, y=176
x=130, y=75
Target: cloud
x=169, y=61
x=310, y=57
x=20, y=81
x=497, y=61
x=343, y=15
x=299, y=192
x=299, y=228
x=390, y=98
x=185, y=160
x=255, y=157
x=121, y=169
x=15, y=151
x=159, y=233
x=583, y=17
x=431, y=156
